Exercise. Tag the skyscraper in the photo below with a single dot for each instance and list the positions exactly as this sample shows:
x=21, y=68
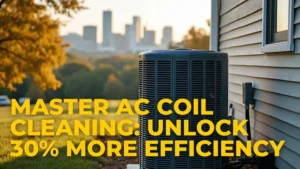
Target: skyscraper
x=149, y=37
x=90, y=38
x=107, y=28
x=130, y=38
x=167, y=36
x=119, y=42
x=90, y=33
x=75, y=39
x=137, y=28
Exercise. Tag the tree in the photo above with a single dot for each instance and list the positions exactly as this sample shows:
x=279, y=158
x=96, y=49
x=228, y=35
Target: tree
x=176, y=45
x=113, y=88
x=130, y=78
x=84, y=85
x=21, y=89
x=30, y=43
x=208, y=22
x=117, y=61
x=74, y=67
x=34, y=92
x=197, y=39
x=104, y=70
x=59, y=93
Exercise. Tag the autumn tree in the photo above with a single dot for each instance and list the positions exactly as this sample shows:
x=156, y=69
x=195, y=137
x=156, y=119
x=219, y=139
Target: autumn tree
x=113, y=88
x=176, y=45
x=30, y=44
x=197, y=39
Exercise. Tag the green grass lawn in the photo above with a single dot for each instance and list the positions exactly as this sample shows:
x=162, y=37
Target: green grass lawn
x=48, y=162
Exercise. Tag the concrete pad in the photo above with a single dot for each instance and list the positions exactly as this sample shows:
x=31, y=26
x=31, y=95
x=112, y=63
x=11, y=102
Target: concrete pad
x=133, y=166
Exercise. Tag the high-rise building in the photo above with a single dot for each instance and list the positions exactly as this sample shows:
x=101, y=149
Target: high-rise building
x=90, y=38
x=167, y=36
x=119, y=42
x=75, y=40
x=107, y=28
x=130, y=38
x=90, y=33
x=149, y=37
x=137, y=28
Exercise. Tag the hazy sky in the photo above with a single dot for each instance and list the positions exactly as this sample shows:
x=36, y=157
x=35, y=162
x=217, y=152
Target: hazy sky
x=181, y=14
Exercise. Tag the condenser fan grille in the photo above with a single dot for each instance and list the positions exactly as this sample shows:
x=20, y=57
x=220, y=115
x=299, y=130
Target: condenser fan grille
x=181, y=77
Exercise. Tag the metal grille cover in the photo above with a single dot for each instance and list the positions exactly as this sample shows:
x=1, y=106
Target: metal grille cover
x=178, y=74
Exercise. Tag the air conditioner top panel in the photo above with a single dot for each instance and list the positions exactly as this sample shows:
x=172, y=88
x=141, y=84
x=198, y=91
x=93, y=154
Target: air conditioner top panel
x=182, y=53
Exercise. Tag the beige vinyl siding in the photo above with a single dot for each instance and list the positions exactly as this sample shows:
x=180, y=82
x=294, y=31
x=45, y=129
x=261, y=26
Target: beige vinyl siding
x=243, y=22
x=230, y=4
x=276, y=77
x=240, y=11
x=242, y=31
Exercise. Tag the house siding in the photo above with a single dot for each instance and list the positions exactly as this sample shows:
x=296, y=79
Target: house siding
x=276, y=77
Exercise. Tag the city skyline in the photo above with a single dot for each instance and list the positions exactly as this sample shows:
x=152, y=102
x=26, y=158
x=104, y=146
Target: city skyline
x=133, y=40
x=136, y=31
x=179, y=14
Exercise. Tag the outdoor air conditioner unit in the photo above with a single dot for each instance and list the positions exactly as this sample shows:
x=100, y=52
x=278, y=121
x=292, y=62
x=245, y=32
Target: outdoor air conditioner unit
x=178, y=74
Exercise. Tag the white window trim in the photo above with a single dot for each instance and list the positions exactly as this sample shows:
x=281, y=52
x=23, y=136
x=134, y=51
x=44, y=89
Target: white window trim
x=287, y=46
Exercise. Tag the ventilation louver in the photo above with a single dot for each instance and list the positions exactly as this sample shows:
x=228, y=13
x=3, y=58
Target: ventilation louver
x=178, y=74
